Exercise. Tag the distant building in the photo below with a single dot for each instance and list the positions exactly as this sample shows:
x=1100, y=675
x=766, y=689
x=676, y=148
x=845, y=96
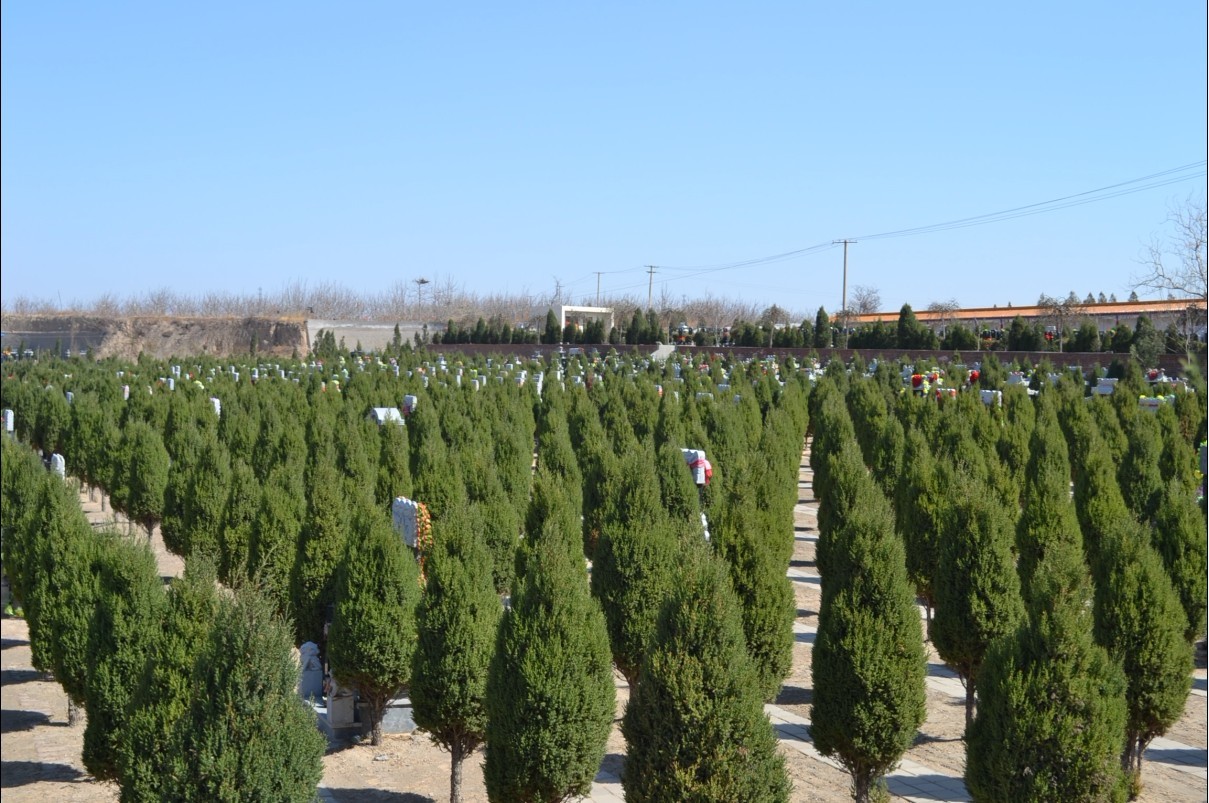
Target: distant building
x=580, y=317
x=1105, y=316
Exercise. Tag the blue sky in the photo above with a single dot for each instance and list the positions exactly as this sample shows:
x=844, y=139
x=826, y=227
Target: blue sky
x=245, y=146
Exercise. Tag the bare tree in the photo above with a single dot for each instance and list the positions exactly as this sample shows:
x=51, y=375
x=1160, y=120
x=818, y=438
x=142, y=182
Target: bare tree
x=1061, y=311
x=865, y=299
x=944, y=312
x=1177, y=264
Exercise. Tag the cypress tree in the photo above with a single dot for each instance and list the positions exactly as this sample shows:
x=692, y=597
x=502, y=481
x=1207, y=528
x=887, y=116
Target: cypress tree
x=239, y=519
x=123, y=630
x=977, y=589
x=1050, y=723
x=678, y=491
x=209, y=490
x=743, y=536
x=373, y=632
x=274, y=538
x=550, y=693
x=22, y=479
x=1140, y=622
x=868, y=663
x=146, y=475
x=247, y=735
x=65, y=593
x=1179, y=537
x=456, y=626
x=320, y=548
x=634, y=566
x=695, y=728
x=917, y=509
x=152, y=758
x=1048, y=516
x=394, y=465
x=1139, y=476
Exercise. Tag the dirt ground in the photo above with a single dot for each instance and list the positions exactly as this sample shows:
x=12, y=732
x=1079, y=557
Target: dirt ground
x=41, y=754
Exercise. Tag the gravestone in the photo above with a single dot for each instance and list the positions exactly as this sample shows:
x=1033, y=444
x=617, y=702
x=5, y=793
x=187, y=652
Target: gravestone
x=310, y=684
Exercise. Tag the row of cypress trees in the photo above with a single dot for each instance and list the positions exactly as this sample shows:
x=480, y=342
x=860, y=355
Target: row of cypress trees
x=275, y=491
x=1069, y=621
x=189, y=693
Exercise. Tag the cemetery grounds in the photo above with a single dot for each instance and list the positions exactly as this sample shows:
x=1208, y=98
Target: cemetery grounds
x=41, y=755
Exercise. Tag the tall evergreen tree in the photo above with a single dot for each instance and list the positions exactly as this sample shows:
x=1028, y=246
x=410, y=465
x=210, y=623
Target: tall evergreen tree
x=456, y=627
x=1048, y=515
x=634, y=568
x=1050, y=723
x=320, y=548
x=1140, y=622
x=373, y=632
x=868, y=663
x=146, y=475
x=977, y=589
x=918, y=508
x=695, y=728
x=550, y=693
x=152, y=759
x=1179, y=537
x=124, y=628
x=247, y=735
x=1140, y=477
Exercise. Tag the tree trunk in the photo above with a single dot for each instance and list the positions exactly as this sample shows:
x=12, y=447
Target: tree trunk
x=92, y=493
x=73, y=713
x=375, y=715
x=860, y=787
x=969, y=702
x=150, y=532
x=102, y=502
x=456, y=754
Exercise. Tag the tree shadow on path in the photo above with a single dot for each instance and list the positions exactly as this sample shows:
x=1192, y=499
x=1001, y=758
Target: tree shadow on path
x=20, y=773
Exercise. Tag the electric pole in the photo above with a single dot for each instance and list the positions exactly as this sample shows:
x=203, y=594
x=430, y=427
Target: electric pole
x=650, y=269
x=844, y=298
x=598, y=287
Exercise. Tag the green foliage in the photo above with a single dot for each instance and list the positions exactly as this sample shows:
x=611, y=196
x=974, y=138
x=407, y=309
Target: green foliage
x=633, y=571
x=394, y=465
x=247, y=735
x=1140, y=622
x=918, y=507
x=912, y=334
x=1178, y=535
x=320, y=548
x=1051, y=703
x=868, y=662
x=1139, y=476
x=373, y=632
x=151, y=752
x=695, y=728
x=456, y=627
x=275, y=533
x=65, y=591
x=1048, y=517
x=822, y=330
x=146, y=476
x=239, y=517
x=21, y=479
x=124, y=628
x=550, y=693
x=976, y=585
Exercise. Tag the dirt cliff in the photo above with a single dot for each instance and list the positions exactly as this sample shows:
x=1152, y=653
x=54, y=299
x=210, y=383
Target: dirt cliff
x=158, y=336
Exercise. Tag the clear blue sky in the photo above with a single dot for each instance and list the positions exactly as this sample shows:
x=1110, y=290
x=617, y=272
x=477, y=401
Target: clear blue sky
x=235, y=146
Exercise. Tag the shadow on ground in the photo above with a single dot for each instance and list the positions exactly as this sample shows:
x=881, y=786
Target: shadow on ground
x=928, y=787
x=13, y=721
x=11, y=677
x=794, y=695
x=8, y=643
x=376, y=796
x=20, y=773
x=610, y=767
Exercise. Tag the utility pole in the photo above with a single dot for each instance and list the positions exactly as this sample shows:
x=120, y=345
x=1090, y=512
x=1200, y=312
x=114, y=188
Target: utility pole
x=650, y=269
x=844, y=298
x=598, y=287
